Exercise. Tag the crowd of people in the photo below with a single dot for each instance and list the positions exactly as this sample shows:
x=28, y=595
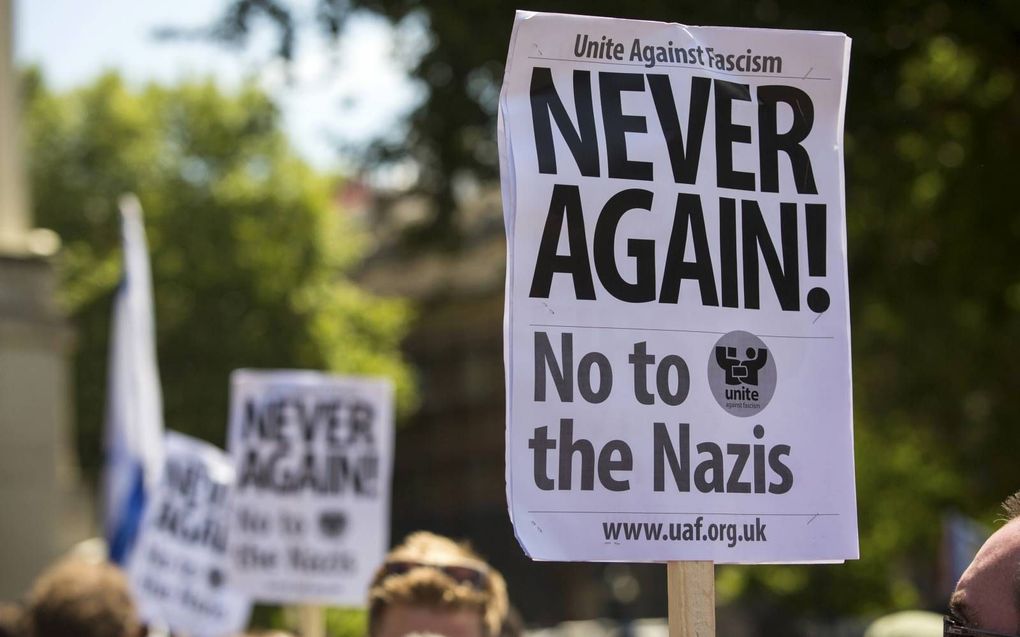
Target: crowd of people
x=428, y=585
x=431, y=585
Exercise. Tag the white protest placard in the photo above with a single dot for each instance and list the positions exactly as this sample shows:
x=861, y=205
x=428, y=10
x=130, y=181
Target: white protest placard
x=314, y=459
x=677, y=329
x=178, y=570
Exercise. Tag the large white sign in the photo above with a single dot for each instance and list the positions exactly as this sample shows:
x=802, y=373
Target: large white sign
x=178, y=569
x=677, y=332
x=313, y=454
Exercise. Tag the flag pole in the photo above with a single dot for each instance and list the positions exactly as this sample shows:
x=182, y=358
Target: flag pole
x=691, y=591
x=312, y=620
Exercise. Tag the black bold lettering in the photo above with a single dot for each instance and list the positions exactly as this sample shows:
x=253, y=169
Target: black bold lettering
x=582, y=141
x=683, y=158
x=779, y=467
x=727, y=133
x=688, y=214
x=564, y=206
x=541, y=443
x=714, y=465
x=771, y=142
x=568, y=447
x=562, y=375
x=584, y=377
x=641, y=359
x=683, y=380
x=785, y=277
x=678, y=458
x=642, y=250
x=759, y=468
x=728, y=251
x=607, y=465
x=617, y=125
x=741, y=453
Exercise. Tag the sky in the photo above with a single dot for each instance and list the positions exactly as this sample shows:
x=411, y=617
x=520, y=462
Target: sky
x=331, y=94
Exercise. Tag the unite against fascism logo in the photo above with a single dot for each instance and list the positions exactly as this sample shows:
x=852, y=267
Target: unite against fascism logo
x=742, y=373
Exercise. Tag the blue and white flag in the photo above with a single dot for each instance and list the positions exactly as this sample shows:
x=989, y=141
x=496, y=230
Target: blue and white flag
x=134, y=402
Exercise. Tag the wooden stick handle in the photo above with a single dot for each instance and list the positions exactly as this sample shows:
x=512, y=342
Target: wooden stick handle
x=691, y=590
x=312, y=620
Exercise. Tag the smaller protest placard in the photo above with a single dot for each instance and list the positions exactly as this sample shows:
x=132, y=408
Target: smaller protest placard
x=178, y=571
x=313, y=454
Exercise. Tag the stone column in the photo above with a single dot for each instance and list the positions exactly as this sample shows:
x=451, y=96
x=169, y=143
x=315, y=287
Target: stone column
x=14, y=215
x=40, y=515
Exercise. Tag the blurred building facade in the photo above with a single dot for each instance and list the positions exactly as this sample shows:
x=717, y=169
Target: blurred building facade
x=39, y=513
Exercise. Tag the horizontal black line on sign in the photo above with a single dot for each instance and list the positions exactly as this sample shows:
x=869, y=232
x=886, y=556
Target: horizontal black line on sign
x=707, y=69
x=668, y=329
x=788, y=515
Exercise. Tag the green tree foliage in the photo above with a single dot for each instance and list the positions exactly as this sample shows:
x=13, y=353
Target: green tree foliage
x=933, y=124
x=249, y=252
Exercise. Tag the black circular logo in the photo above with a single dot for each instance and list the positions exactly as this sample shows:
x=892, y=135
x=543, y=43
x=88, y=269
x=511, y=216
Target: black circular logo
x=215, y=578
x=333, y=523
x=742, y=373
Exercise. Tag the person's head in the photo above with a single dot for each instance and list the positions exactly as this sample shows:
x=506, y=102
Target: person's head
x=431, y=584
x=987, y=597
x=906, y=623
x=11, y=620
x=81, y=599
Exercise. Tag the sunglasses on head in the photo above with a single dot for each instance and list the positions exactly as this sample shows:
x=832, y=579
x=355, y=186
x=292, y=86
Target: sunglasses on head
x=473, y=577
x=952, y=627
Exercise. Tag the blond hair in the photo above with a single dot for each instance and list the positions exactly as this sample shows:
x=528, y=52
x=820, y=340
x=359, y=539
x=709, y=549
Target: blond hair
x=84, y=599
x=427, y=585
x=1012, y=506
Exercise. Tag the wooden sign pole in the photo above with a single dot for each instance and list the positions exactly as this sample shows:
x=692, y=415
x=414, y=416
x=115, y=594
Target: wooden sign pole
x=691, y=590
x=312, y=620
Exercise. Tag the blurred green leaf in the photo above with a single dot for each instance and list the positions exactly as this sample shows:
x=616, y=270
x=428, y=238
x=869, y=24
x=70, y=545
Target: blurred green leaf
x=249, y=252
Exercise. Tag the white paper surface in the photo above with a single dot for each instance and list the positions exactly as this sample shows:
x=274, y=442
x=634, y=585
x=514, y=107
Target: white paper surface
x=178, y=571
x=314, y=458
x=698, y=280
